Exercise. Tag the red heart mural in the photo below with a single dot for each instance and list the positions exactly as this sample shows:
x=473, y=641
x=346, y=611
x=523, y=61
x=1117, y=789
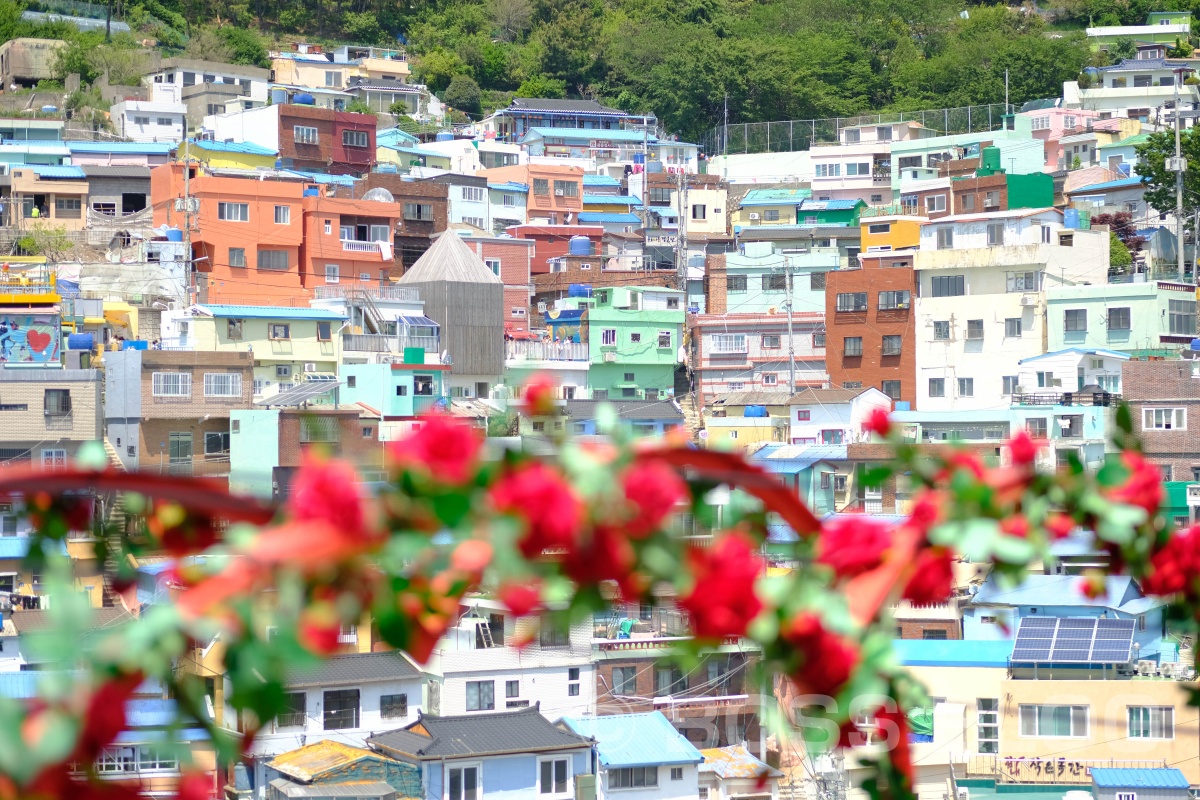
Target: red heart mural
x=38, y=341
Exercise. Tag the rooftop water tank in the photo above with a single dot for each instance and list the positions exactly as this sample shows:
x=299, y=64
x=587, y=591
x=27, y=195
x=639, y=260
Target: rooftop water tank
x=1196, y=344
x=756, y=411
x=989, y=160
x=174, y=235
x=654, y=166
x=304, y=99
x=444, y=136
x=278, y=97
x=579, y=290
x=81, y=341
x=49, y=109
x=1071, y=218
x=579, y=246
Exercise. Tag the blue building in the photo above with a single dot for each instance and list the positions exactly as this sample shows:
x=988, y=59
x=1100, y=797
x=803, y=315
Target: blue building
x=508, y=754
x=809, y=469
x=524, y=113
x=641, y=755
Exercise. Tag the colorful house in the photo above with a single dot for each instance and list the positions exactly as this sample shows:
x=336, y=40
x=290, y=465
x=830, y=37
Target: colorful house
x=829, y=212
x=228, y=155
x=768, y=207
x=891, y=228
x=399, y=392
x=635, y=335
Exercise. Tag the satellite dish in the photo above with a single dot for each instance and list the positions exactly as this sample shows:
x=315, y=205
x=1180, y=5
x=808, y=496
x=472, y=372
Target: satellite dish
x=446, y=357
x=379, y=194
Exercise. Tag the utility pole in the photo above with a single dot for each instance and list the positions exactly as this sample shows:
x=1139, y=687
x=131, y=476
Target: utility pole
x=1178, y=165
x=1006, y=91
x=791, y=340
x=681, y=255
x=193, y=296
x=645, y=193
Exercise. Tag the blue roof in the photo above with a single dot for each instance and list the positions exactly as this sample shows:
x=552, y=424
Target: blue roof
x=146, y=148
x=59, y=172
x=1083, y=351
x=590, y=134
x=271, y=312
x=636, y=740
x=321, y=177
x=510, y=186
x=245, y=148
x=600, y=180
x=830, y=205
x=775, y=197
x=1123, y=183
x=952, y=652
x=611, y=200
x=602, y=217
x=1156, y=778
x=18, y=546
x=382, y=137
x=792, y=458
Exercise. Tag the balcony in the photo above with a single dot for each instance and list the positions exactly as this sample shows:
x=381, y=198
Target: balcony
x=906, y=610
x=403, y=294
x=368, y=343
x=352, y=246
x=894, y=210
x=1101, y=399
x=430, y=344
x=546, y=351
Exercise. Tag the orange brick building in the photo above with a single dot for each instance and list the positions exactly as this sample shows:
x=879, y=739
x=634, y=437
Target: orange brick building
x=512, y=260
x=347, y=241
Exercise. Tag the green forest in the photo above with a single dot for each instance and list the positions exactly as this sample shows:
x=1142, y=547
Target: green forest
x=684, y=60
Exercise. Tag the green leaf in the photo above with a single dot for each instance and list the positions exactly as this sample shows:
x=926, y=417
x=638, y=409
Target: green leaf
x=1012, y=549
x=1123, y=419
x=874, y=477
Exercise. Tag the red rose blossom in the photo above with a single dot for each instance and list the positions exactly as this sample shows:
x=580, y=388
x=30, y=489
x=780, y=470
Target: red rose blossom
x=933, y=577
x=1016, y=525
x=964, y=461
x=1174, y=567
x=320, y=628
x=853, y=544
x=540, y=397
x=195, y=786
x=652, y=490
x=444, y=447
x=1023, y=448
x=328, y=491
x=545, y=501
x=828, y=659
x=900, y=753
x=604, y=555
x=925, y=512
x=1143, y=488
x=722, y=601
x=521, y=598
x=878, y=422
x=1059, y=526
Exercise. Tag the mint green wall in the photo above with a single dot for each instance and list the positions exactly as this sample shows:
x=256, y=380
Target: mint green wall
x=253, y=450
x=653, y=367
x=1020, y=153
x=375, y=385
x=761, y=259
x=1147, y=306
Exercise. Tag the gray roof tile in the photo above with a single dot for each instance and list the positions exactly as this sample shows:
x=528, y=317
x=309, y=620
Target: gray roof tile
x=626, y=409
x=354, y=668
x=500, y=732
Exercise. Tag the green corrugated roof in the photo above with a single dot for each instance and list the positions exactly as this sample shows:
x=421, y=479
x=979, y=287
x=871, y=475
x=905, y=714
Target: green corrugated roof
x=1127, y=142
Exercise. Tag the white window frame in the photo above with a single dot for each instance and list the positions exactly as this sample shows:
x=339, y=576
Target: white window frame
x=463, y=765
x=474, y=194
x=54, y=458
x=182, y=381
x=494, y=265
x=1164, y=419
x=1167, y=725
x=935, y=203
x=479, y=699
x=1126, y=795
x=614, y=772
x=355, y=139
x=1087, y=718
x=608, y=337
x=333, y=273
x=570, y=789
x=233, y=212
x=284, y=218
x=305, y=134
x=230, y=381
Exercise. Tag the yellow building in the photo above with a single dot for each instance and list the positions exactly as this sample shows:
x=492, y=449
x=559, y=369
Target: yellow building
x=228, y=155
x=768, y=207
x=890, y=230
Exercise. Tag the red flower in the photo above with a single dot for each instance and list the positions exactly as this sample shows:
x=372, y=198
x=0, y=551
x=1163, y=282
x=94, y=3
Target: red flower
x=180, y=533
x=1023, y=447
x=545, y=501
x=328, y=491
x=1059, y=526
x=653, y=489
x=933, y=577
x=472, y=557
x=878, y=422
x=829, y=660
x=194, y=786
x=722, y=601
x=445, y=448
x=1016, y=525
x=1143, y=488
x=1093, y=587
x=1175, y=566
x=320, y=627
x=105, y=716
x=853, y=544
x=541, y=396
x=521, y=598
x=899, y=753
x=961, y=460
x=926, y=509
x=605, y=555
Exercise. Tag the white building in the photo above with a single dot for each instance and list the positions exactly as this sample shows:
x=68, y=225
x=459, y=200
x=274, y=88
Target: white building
x=1071, y=370
x=833, y=416
x=1133, y=88
x=980, y=309
x=860, y=166
x=492, y=661
x=732, y=773
x=173, y=75
x=149, y=120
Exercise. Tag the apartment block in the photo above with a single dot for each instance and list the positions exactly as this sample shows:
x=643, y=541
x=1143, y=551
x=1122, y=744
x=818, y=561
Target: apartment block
x=46, y=415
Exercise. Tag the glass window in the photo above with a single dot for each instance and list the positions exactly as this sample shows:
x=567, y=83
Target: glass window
x=1075, y=319
x=553, y=777
x=303, y=134
x=233, y=212
x=853, y=346
x=966, y=387
x=462, y=783
x=283, y=215
x=341, y=709
x=668, y=681
x=893, y=300
x=771, y=341
x=566, y=189
x=1010, y=384
x=937, y=387
x=949, y=285
x=1118, y=319
x=817, y=281
x=735, y=284
x=945, y=238
x=852, y=301
x=393, y=706
x=774, y=283
x=222, y=384
x=171, y=384
x=512, y=688
x=1182, y=317
x=1036, y=427
x=273, y=259
x=1054, y=721
x=419, y=212
x=974, y=329
x=632, y=777
x=818, y=340
x=237, y=256
x=941, y=330
x=891, y=389
x=987, y=714
x=1022, y=281
x=892, y=346
x=995, y=234
x=624, y=681
x=935, y=203
x=294, y=714
x=554, y=633
x=1012, y=327
x=1164, y=419
x=481, y=695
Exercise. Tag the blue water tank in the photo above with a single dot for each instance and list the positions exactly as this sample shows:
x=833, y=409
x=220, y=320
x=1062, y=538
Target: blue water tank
x=579, y=290
x=311, y=191
x=278, y=97
x=304, y=99
x=1196, y=344
x=81, y=341
x=49, y=109
x=135, y=344
x=654, y=166
x=1071, y=218
x=756, y=411
x=639, y=158
x=174, y=235
x=579, y=246
x=444, y=136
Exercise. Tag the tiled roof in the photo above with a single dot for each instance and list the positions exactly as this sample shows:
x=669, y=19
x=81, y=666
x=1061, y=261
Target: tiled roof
x=100, y=171
x=780, y=398
x=269, y=312
x=830, y=205
x=1132, y=778
x=735, y=762
x=477, y=735
x=626, y=409
x=140, y=148
x=309, y=762
x=450, y=260
x=635, y=740
x=243, y=148
x=355, y=668
x=816, y=397
x=601, y=217
x=38, y=621
x=563, y=106
x=590, y=134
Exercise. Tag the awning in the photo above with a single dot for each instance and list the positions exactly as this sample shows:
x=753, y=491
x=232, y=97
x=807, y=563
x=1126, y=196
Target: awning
x=122, y=315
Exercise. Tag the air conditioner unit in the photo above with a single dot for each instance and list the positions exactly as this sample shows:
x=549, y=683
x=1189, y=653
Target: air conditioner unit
x=1056, y=382
x=1029, y=300
x=310, y=366
x=559, y=192
x=754, y=215
x=542, y=307
x=610, y=358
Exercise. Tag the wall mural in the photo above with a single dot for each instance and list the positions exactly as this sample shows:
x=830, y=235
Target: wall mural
x=29, y=338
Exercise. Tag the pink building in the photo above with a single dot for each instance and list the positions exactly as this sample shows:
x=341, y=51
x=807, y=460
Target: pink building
x=1051, y=124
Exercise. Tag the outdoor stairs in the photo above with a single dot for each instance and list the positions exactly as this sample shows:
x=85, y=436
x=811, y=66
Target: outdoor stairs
x=691, y=415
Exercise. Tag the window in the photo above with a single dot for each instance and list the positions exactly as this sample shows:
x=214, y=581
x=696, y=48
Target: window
x=171, y=384
x=222, y=384
x=1075, y=319
x=892, y=346
x=828, y=170
x=995, y=234
x=771, y=341
x=699, y=212
x=541, y=186
x=992, y=200
x=771, y=215
x=233, y=212
x=852, y=346
x=1164, y=419
x=966, y=387
x=423, y=385
x=949, y=285
x=462, y=783
x=941, y=330
x=889, y=301
x=676, y=773
x=283, y=215
x=1045, y=380
x=1118, y=319
x=553, y=777
x=1054, y=721
x=987, y=713
x=1045, y=234
x=279, y=330
x=852, y=301
x=1181, y=317
x=881, y=227
x=774, y=283
x=1151, y=722
x=393, y=706
x=936, y=633
x=512, y=688
x=1022, y=281
x=891, y=389
x=332, y=273
x=624, y=681
x=967, y=202
x=554, y=633
x=481, y=695
x=1036, y=427
x=357, y=139
x=341, y=709
x=934, y=204
x=974, y=329
x=664, y=339
x=1012, y=327
x=634, y=338
x=735, y=284
x=54, y=459
x=324, y=331
x=493, y=264
x=566, y=189
x=418, y=212
x=1010, y=384
x=68, y=207
x=141, y=120
x=770, y=379
x=608, y=336
x=57, y=402
x=237, y=256
x=818, y=340
x=273, y=259
x=216, y=442
x=937, y=387
x=668, y=681
x=632, y=777
x=672, y=303
x=294, y=713
x=817, y=280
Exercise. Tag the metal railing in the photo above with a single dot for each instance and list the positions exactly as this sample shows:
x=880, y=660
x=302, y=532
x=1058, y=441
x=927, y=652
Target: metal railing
x=405, y=294
x=430, y=344
x=893, y=210
x=369, y=343
x=1103, y=399
x=547, y=351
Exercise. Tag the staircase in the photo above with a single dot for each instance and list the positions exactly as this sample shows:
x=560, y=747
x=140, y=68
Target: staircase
x=372, y=320
x=691, y=414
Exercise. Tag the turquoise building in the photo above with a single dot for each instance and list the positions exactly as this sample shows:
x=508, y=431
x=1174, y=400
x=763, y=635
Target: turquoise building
x=916, y=160
x=397, y=391
x=756, y=279
x=829, y=212
x=635, y=338
x=1140, y=319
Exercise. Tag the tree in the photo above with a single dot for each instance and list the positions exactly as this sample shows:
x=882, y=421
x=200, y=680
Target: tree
x=1119, y=259
x=541, y=86
x=208, y=45
x=246, y=45
x=1123, y=225
x=1160, y=183
x=463, y=94
x=437, y=68
x=1123, y=47
x=511, y=17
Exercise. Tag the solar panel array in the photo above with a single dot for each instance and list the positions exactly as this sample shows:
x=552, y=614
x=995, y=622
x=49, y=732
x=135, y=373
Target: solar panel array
x=1073, y=640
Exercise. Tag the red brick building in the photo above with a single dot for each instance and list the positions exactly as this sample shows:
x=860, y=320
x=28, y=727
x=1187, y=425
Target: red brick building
x=325, y=140
x=870, y=325
x=423, y=213
x=552, y=241
x=511, y=259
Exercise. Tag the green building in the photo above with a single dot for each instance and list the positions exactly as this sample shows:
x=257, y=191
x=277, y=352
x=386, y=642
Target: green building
x=1141, y=319
x=829, y=212
x=916, y=160
x=635, y=336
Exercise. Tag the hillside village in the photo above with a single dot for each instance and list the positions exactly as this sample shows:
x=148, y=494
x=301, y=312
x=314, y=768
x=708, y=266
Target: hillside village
x=243, y=270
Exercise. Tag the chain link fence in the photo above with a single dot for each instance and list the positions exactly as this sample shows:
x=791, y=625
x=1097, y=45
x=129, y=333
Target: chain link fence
x=801, y=134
